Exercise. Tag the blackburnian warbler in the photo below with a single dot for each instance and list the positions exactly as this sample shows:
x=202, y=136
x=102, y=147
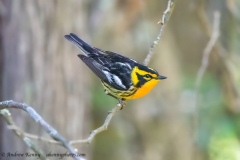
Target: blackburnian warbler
x=123, y=78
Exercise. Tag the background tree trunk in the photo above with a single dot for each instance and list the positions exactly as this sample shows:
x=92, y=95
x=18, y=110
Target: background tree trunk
x=41, y=69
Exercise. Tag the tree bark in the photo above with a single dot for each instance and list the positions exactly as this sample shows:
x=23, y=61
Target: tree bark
x=42, y=69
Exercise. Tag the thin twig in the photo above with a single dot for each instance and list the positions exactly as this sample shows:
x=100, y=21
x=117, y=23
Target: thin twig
x=100, y=129
x=32, y=136
x=49, y=129
x=209, y=47
x=165, y=17
x=75, y=142
x=7, y=116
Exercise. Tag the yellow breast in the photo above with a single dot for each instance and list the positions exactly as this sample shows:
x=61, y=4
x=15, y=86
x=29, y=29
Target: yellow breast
x=144, y=89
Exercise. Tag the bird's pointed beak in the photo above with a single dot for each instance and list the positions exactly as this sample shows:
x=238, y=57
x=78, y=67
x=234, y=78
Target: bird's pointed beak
x=161, y=77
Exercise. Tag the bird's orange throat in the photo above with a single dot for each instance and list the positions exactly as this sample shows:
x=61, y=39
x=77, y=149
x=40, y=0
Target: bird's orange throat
x=144, y=89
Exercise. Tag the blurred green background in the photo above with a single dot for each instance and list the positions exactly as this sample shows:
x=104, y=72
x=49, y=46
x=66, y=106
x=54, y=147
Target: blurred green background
x=40, y=68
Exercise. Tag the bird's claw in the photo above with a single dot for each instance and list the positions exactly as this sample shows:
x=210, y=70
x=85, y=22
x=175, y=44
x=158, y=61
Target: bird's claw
x=122, y=103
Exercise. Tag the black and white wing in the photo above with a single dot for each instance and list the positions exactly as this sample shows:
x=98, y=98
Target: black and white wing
x=112, y=68
x=114, y=74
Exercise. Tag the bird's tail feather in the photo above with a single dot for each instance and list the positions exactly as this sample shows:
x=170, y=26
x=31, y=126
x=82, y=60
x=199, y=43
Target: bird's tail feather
x=83, y=46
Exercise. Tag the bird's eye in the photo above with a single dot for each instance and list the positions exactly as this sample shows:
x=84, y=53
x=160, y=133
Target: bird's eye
x=148, y=76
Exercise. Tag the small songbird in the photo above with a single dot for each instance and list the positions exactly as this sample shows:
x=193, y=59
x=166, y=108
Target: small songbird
x=123, y=78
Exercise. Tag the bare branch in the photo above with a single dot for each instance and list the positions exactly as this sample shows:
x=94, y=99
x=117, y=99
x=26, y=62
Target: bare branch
x=34, y=137
x=75, y=142
x=165, y=17
x=50, y=130
x=209, y=47
x=100, y=129
x=7, y=116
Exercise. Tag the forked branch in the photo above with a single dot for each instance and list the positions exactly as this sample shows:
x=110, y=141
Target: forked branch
x=75, y=142
x=49, y=129
x=7, y=116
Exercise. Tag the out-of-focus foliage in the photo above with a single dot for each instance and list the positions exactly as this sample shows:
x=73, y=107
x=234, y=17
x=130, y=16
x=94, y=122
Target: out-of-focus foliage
x=41, y=68
x=224, y=143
